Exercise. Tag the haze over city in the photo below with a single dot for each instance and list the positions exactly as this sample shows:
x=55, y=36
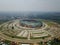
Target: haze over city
x=30, y=5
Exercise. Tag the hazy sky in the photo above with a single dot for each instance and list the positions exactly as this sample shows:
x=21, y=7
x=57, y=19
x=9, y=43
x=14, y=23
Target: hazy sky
x=30, y=5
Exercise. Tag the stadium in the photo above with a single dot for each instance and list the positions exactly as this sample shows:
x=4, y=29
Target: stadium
x=31, y=23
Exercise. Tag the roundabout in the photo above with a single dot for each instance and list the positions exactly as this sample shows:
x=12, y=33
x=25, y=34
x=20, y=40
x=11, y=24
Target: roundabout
x=29, y=31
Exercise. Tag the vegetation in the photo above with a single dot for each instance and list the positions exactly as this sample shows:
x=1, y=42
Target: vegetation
x=15, y=36
x=39, y=37
x=55, y=42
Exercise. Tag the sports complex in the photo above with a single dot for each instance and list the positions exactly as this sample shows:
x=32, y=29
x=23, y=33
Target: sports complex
x=29, y=31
